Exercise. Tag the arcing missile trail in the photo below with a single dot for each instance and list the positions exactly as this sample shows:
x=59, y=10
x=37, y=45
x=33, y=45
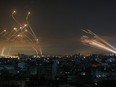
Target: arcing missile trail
x=3, y=32
x=99, y=38
x=97, y=42
x=94, y=43
x=29, y=25
x=24, y=33
x=33, y=34
x=15, y=19
x=2, y=53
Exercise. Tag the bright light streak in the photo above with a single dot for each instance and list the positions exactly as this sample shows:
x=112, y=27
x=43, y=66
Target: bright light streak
x=18, y=35
x=35, y=50
x=12, y=35
x=15, y=28
x=97, y=37
x=30, y=26
x=9, y=51
x=4, y=30
x=5, y=34
x=26, y=30
x=30, y=33
x=15, y=18
x=96, y=43
x=20, y=28
x=22, y=34
x=2, y=53
x=102, y=46
x=14, y=11
x=29, y=13
x=25, y=25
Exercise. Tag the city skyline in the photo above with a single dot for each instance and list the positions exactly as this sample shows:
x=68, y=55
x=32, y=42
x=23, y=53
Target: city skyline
x=58, y=24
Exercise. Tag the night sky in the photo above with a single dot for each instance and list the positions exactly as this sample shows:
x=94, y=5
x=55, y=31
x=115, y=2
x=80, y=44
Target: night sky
x=58, y=23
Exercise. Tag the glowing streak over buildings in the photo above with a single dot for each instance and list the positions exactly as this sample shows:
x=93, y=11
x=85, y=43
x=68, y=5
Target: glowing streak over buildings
x=2, y=32
x=12, y=35
x=33, y=34
x=2, y=53
x=24, y=33
x=35, y=50
x=15, y=19
x=9, y=51
x=29, y=25
x=14, y=29
x=99, y=38
x=97, y=42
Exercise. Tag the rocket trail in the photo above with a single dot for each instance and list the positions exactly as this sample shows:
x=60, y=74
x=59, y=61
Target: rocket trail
x=99, y=38
x=24, y=33
x=30, y=26
x=2, y=53
x=33, y=34
x=15, y=18
x=13, y=34
x=97, y=42
x=35, y=50
x=2, y=32
x=96, y=36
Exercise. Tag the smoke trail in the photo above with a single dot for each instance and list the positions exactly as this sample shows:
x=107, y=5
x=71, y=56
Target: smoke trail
x=2, y=53
x=30, y=26
x=98, y=37
x=95, y=43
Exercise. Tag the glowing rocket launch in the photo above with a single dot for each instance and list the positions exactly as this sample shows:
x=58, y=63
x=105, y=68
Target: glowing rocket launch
x=96, y=41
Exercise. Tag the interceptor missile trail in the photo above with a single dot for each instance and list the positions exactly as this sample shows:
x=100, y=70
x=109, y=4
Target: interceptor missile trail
x=30, y=26
x=99, y=38
x=14, y=29
x=2, y=32
x=15, y=18
x=35, y=50
x=85, y=31
x=40, y=50
x=33, y=34
x=30, y=33
x=13, y=34
x=2, y=53
x=16, y=32
x=32, y=46
x=24, y=34
x=5, y=34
